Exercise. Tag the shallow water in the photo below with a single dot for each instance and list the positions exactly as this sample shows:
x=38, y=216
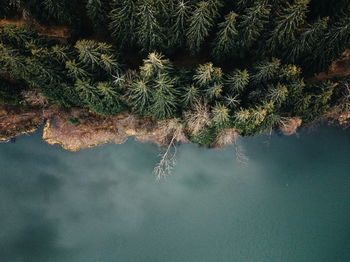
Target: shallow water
x=289, y=202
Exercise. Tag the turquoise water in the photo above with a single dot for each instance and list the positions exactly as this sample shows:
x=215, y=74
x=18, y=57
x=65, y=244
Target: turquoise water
x=289, y=202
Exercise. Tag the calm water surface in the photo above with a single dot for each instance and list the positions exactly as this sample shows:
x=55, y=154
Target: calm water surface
x=290, y=202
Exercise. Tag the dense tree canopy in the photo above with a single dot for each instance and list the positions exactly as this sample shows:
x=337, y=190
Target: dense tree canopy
x=116, y=59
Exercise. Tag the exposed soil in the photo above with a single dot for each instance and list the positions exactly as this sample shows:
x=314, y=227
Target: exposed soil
x=15, y=121
x=339, y=68
x=60, y=33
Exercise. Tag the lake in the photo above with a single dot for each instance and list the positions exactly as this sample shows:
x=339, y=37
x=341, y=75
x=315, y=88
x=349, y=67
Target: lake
x=290, y=202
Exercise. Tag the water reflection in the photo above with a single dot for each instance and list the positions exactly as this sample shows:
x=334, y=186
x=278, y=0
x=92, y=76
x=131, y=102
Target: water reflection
x=289, y=203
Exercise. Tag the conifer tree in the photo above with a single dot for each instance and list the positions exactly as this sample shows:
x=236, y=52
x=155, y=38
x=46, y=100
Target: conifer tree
x=201, y=23
x=12, y=62
x=220, y=116
x=232, y=101
x=164, y=98
x=109, y=101
x=237, y=81
x=332, y=46
x=214, y=7
x=16, y=36
x=123, y=21
x=139, y=95
x=308, y=40
x=87, y=92
x=75, y=71
x=97, y=12
x=288, y=24
x=278, y=93
x=226, y=38
x=205, y=74
x=150, y=34
x=154, y=65
x=190, y=95
x=182, y=12
x=61, y=11
x=243, y=4
x=266, y=70
x=61, y=53
x=252, y=23
x=94, y=55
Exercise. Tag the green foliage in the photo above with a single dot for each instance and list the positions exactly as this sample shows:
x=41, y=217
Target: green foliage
x=139, y=96
x=123, y=22
x=249, y=92
x=226, y=38
x=205, y=137
x=97, y=12
x=150, y=34
x=75, y=121
x=182, y=12
x=288, y=24
x=94, y=55
x=252, y=23
x=164, y=98
x=237, y=81
x=207, y=74
x=220, y=116
x=308, y=40
x=201, y=22
x=190, y=95
x=16, y=36
x=102, y=98
x=267, y=70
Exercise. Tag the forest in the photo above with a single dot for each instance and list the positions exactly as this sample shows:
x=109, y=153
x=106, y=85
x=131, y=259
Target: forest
x=213, y=65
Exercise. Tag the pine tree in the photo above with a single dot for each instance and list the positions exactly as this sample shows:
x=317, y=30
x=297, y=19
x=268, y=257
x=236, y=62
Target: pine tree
x=108, y=101
x=237, y=81
x=75, y=71
x=243, y=4
x=308, y=40
x=12, y=62
x=214, y=91
x=288, y=24
x=60, y=53
x=94, y=55
x=207, y=74
x=232, y=101
x=87, y=92
x=16, y=36
x=181, y=16
x=123, y=22
x=266, y=70
x=97, y=12
x=154, y=65
x=139, y=96
x=220, y=116
x=252, y=23
x=278, y=93
x=214, y=7
x=190, y=95
x=201, y=22
x=332, y=46
x=164, y=98
x=58, y=10
x=226, y=38
x=150, y=34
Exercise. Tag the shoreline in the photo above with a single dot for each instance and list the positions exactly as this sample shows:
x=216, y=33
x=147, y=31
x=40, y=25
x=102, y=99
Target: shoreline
x=94, y=130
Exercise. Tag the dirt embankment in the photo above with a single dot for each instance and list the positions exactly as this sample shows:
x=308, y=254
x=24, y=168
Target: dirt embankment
x=339, y=68
x=76, y=128
x=60, y=33
x=16, y=121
